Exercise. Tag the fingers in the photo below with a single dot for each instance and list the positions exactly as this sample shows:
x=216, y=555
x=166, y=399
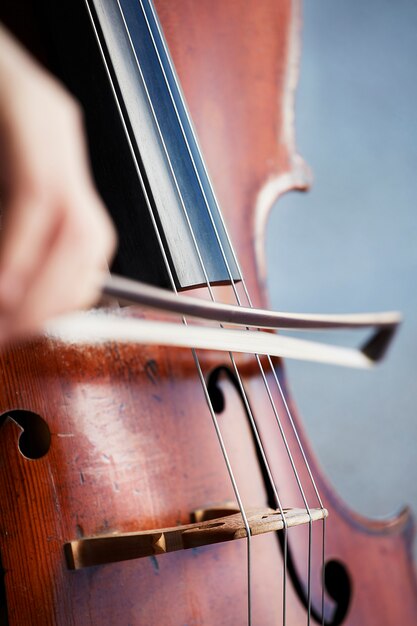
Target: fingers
x=69, y=272
x=56, y=237
x=26, y=240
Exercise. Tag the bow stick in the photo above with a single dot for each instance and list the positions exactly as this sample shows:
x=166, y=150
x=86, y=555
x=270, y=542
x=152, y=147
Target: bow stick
x=98, y=326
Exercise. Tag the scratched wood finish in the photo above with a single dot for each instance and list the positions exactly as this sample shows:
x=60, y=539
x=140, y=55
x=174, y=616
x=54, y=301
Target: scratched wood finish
x=133, y=446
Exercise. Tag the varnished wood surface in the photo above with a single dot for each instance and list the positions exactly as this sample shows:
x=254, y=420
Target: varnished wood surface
x=131, y=437
x=126, y=441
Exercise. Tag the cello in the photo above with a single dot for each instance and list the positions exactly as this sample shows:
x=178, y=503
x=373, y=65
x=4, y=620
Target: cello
x=109, y=440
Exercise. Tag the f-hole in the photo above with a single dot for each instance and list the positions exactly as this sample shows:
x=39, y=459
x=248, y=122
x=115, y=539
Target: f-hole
x=336, y=577
x=33, y=443
x=35, y=439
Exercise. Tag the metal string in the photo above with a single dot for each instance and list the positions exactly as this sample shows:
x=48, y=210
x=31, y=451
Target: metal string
x=196, y=246
x=251, y=305
x=237, y=297
x=228, y=237
x=231, y=356
x=238, y=377
x=199, y=369
x=198, y=365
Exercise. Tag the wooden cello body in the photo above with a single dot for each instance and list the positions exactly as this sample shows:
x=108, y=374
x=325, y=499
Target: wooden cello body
x=118, y=438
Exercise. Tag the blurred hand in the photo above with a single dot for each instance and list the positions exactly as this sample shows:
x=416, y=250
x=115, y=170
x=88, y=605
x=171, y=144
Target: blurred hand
x=56, y=238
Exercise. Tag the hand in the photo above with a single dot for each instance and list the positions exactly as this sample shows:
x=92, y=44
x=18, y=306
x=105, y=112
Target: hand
x=56, y=237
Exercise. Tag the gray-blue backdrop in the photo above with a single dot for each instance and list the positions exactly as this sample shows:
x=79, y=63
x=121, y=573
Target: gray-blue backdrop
x=350, y=243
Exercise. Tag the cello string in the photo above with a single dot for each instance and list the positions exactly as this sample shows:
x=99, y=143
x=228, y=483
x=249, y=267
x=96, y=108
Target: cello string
x=198, y=365
x=195, y=356
x=232, y=280
x=323, y=569
x=230, y=243
x=237, y=373
x=201, y=262
x=230, y=276
x=277, y=499
x=250, y=304
x=248, y=299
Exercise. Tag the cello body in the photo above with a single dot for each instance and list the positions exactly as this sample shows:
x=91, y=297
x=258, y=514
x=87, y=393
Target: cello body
x=121, y=436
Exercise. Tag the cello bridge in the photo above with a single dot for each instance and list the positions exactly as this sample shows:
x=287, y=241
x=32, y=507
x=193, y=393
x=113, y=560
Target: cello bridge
x=212, y=525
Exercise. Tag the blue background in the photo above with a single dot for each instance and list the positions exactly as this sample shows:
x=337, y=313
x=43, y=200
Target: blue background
x=350, y=243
